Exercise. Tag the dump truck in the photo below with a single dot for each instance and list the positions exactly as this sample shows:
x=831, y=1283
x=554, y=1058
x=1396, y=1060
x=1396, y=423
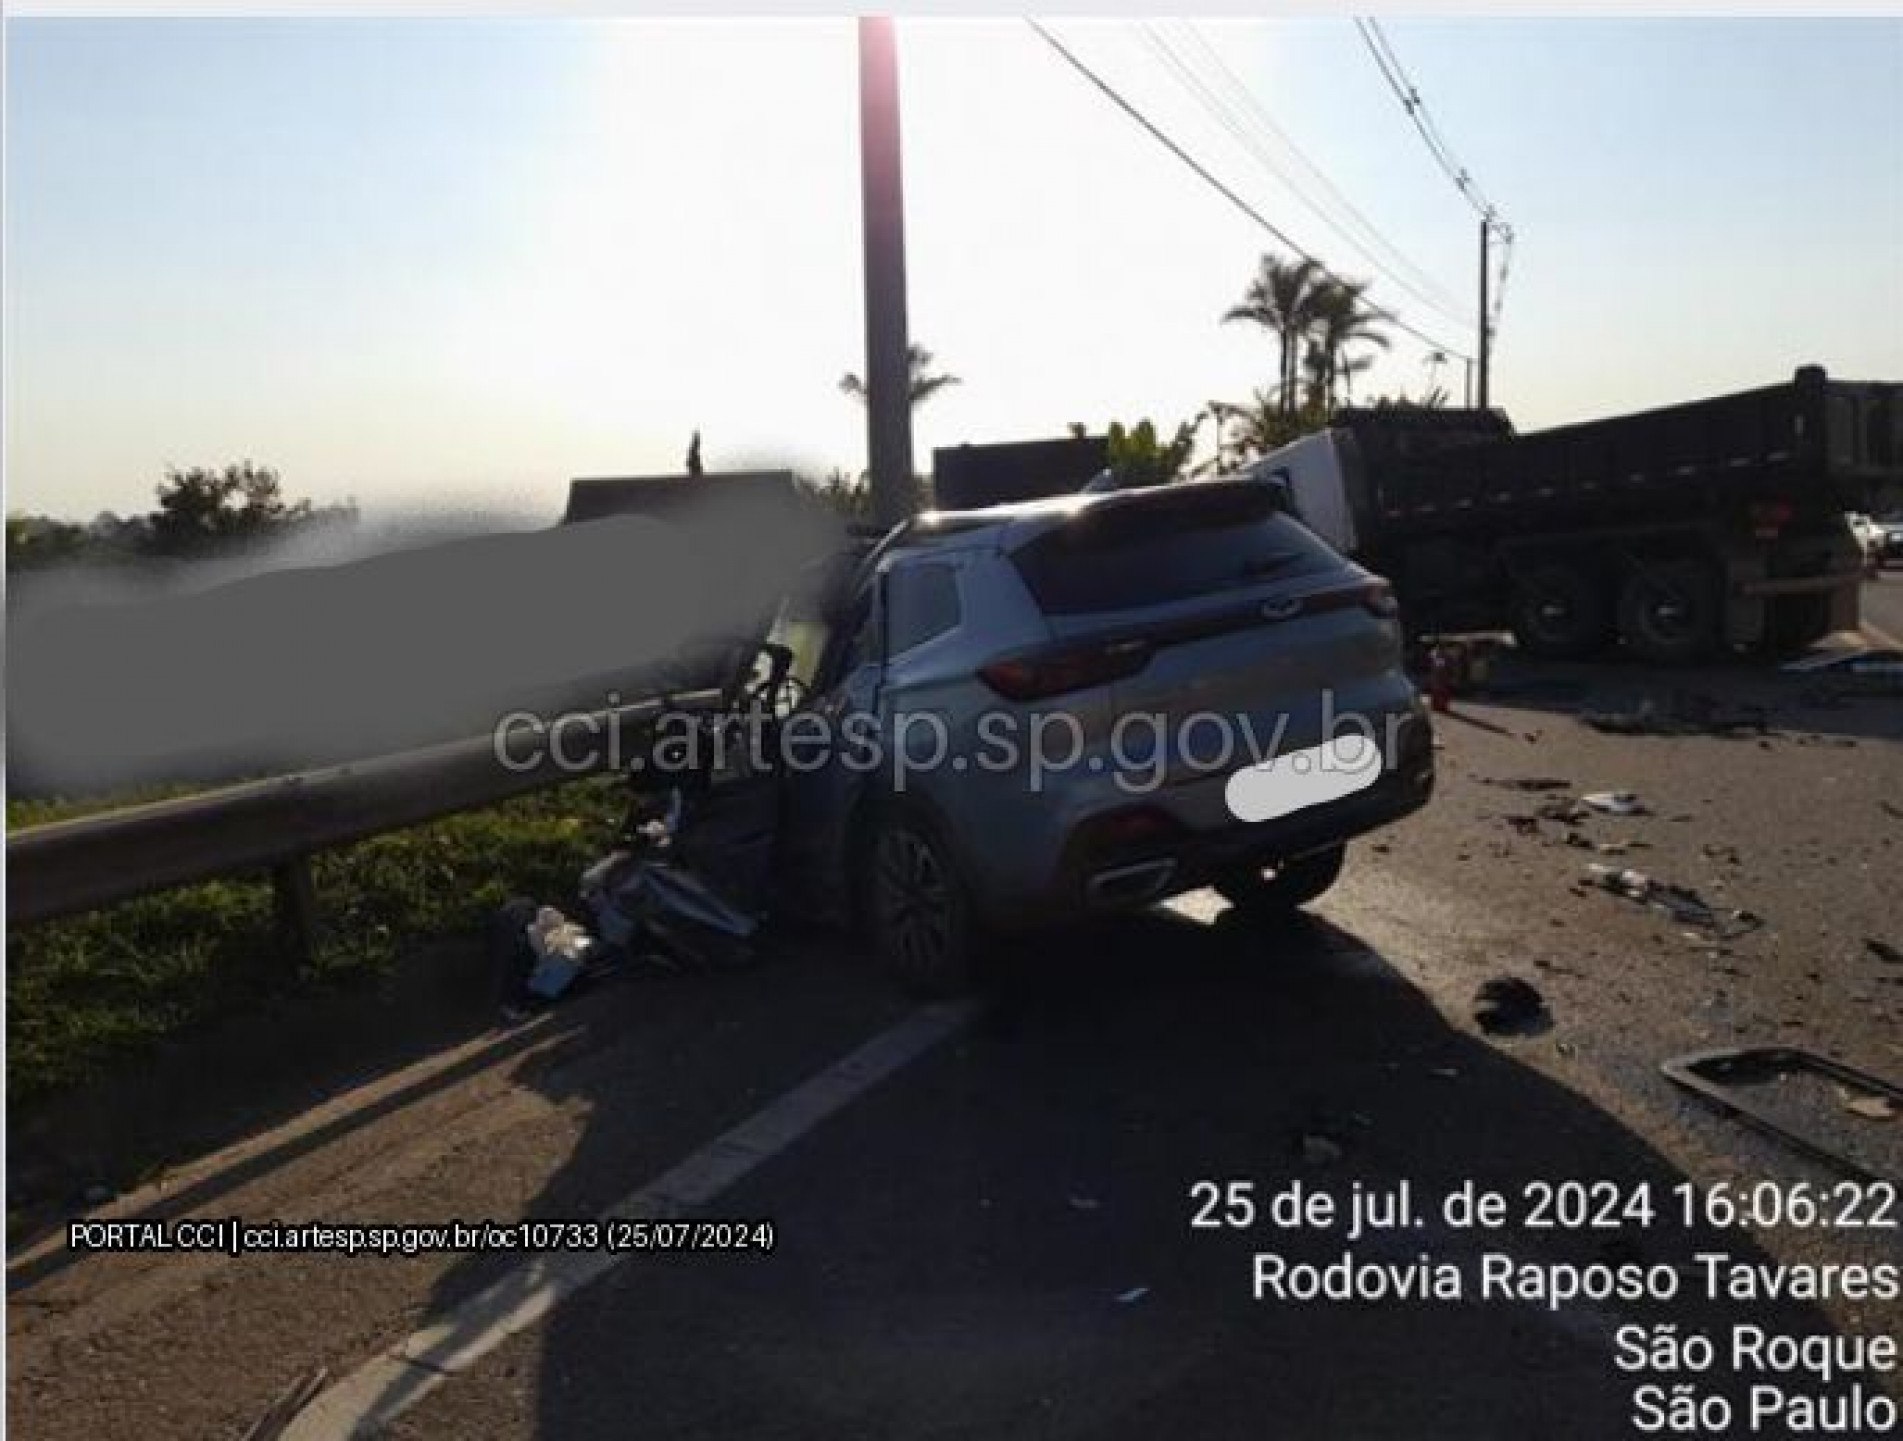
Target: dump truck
x=971, y=477
x=1677, y=533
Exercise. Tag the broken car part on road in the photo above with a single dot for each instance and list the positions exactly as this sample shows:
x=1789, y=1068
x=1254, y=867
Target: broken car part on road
x=1681, y=903
x=1718, y=1078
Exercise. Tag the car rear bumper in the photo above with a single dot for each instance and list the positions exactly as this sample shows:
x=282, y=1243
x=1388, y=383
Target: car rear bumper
x=1093, y=877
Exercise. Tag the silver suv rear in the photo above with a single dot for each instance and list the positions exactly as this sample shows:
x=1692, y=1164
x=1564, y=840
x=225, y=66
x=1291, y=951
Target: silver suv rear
x=1035, y=711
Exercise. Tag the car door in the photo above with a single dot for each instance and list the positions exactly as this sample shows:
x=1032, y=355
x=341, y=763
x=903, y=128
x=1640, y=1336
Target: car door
x=830, y=748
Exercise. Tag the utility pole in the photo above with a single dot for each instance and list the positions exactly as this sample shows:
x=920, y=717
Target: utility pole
x=882, y=199
x=1486, y=230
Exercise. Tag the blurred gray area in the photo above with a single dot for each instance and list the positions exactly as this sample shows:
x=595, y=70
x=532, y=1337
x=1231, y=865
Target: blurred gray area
x=309, y=665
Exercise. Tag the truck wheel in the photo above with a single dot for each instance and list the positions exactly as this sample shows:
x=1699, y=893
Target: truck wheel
x=1559, y=611
x=1668, y=612
x=1255, y=891
x=917, y=913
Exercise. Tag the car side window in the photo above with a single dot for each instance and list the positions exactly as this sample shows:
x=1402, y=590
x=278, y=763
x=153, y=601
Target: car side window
x=923, y=600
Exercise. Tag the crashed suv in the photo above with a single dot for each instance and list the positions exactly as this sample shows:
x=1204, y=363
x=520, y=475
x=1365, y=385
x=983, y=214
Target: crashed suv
x=1010, y=717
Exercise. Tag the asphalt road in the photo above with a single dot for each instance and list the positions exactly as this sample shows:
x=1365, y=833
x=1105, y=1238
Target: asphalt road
x=1883, y=603
x=984, y=1223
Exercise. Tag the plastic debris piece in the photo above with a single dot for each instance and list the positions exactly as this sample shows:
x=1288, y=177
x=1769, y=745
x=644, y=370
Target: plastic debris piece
x=561, y=947
x=1614, y=803
x=1871, y=1108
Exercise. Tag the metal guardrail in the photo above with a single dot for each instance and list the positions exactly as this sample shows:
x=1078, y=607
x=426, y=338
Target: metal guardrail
x=68, y=867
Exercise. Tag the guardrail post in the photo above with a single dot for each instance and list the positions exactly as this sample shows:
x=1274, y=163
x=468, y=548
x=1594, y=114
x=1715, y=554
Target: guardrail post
x=295, y=895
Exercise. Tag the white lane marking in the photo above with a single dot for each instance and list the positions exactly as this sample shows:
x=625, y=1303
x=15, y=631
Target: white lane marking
x=384, y=1387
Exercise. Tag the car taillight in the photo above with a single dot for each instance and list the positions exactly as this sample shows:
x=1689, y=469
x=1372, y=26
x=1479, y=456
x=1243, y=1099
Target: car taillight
x=1374, y=596
x=1040, y=674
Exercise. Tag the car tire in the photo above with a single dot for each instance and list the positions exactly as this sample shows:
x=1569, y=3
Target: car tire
x=1261, y=892
x=1668, y=611
x=917, y=912
x=1560, y=611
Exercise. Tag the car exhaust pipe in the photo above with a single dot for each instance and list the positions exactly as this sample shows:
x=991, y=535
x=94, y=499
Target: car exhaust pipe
x=1130, y=885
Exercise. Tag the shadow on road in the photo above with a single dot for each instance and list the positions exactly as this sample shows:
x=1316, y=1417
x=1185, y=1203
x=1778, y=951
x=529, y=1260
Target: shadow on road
x=998, y=1241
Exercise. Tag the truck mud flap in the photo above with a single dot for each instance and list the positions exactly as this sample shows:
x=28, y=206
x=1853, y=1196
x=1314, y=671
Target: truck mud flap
x=1734, y=1081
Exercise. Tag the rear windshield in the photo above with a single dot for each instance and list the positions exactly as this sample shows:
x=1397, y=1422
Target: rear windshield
x=1173, y=545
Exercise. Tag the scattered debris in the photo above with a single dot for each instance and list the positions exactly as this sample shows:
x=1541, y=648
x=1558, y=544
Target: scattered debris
x=1319, y=1150
x=561, y=947
x=1683, y=715
x=1883, y=951
x=1681, y=903
x=644, y=891
x=1507, y=1005
x=1871, y=1108
x=1614, y=803
x=1529, y=783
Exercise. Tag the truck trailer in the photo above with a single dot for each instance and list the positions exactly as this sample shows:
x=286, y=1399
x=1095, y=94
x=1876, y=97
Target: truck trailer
x=1679, y=533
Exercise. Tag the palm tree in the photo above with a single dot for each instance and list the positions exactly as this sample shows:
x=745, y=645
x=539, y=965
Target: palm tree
x=1315, y=396
x=1347, y=370
x=920, y=383
x=1278, y=299
x=1249, y=428
x=1338, y=318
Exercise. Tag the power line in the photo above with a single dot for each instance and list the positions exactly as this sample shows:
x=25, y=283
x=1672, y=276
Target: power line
x=1234, y=199
x=1409, y=95
x=1238, y=126
x=1405, y=90
x=1371, y=238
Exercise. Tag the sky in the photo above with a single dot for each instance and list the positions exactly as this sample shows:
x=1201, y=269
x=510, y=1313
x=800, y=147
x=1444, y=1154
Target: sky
x=455, y=262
